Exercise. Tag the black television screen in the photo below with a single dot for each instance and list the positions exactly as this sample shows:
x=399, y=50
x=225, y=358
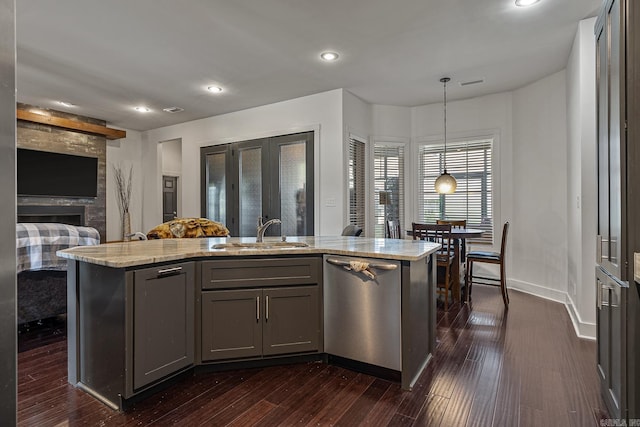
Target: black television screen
x=41, y=173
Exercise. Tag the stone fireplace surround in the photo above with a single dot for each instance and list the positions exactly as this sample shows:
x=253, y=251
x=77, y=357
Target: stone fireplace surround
x=89, y=212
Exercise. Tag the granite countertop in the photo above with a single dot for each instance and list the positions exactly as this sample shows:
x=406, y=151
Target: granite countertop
x=135, y=253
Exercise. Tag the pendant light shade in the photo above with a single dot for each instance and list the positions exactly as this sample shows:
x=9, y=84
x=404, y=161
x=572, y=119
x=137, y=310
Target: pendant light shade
x=445, y=184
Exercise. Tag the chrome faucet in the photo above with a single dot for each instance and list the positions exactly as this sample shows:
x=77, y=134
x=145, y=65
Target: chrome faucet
x=263, y=227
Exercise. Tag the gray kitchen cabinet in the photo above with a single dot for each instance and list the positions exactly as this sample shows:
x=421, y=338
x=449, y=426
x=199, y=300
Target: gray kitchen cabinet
x=254, y=322
x=252, y=308
x=291, y=320
x=231, y=326
x=611, y=350
x=163, y=322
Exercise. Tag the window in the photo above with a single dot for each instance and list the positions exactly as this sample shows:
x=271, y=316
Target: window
x=357, y=188
x=388, y=168
x=470, y=163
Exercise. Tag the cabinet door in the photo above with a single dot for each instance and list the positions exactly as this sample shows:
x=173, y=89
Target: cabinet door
x=163, y=322
x=231, y=324
x=611, y=318
x=291, y=321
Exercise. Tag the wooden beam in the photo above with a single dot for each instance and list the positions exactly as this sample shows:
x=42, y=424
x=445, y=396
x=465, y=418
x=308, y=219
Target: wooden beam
x=60, y=122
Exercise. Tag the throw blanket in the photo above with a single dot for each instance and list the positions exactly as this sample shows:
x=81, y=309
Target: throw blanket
x=188, y=228
x=37, y=244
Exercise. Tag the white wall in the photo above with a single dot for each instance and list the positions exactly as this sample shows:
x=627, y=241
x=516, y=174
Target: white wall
x=172, y=157
x=124, y=152
x=320, y=112
x=539, y=227
x=581, y=175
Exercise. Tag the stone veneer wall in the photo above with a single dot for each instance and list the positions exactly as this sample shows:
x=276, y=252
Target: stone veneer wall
x=42, y=137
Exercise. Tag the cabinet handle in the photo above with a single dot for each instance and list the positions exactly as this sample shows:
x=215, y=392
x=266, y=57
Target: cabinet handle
x=257, y=308
x=598, y=294
x=266, y=314
x=172, y=270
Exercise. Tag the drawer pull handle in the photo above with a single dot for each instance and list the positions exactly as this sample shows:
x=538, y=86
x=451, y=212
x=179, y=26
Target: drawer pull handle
x=257, y=308
x=266, y=314
x=173, y=270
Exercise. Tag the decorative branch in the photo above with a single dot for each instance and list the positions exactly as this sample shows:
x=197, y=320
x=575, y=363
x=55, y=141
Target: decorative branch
x=123, y=187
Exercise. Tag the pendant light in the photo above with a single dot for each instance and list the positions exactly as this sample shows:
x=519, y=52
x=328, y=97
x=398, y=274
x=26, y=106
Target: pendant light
x=445, y=184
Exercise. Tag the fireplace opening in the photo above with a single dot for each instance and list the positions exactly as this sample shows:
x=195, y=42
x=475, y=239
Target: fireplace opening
x=72, y=215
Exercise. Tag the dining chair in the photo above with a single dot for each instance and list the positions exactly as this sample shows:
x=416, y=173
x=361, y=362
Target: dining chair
x=393, y=229
x=439, y=233
x=453, y=222
x=490, y=258
x=352, y=230
x=457, y=223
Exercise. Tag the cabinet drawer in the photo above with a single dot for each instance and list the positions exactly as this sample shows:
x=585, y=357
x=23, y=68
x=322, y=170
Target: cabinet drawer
x=253, y=273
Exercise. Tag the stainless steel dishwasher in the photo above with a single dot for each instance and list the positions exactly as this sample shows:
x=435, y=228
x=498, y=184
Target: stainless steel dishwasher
x=362, y=314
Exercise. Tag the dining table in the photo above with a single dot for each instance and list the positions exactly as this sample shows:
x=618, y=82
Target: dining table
x=459, y=236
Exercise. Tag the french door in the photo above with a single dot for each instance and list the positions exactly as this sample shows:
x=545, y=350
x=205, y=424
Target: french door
x=268, y=177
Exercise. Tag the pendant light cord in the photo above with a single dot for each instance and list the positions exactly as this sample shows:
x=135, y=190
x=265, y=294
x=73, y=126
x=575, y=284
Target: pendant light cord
x=445, y=126
x=444, y=80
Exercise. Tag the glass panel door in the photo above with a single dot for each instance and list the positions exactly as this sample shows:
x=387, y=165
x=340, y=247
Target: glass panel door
x=293, y=206
x=250, y=189
x=214, y=198
x=291, y=181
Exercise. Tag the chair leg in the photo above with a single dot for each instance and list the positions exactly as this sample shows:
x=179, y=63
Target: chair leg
x=503, y=286
x=468, y=278
x=446, y=288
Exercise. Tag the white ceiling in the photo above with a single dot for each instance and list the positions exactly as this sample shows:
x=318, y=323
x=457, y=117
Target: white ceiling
x=108, y=56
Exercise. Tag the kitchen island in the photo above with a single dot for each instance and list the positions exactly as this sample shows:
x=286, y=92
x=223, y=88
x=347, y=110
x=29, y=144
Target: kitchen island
x=142, y=313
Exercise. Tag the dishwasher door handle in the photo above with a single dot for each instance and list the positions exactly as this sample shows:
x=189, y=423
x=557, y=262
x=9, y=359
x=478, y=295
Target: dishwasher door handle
x=346, y=263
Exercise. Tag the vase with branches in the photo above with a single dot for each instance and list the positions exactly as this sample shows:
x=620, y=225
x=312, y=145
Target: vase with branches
x=123, y=193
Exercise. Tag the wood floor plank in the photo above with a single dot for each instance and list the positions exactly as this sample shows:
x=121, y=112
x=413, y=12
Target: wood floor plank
x=364, y=404
x=342, y=401
x=385, y=408
x=253, y=415
x=433, y=411
x=338, y=379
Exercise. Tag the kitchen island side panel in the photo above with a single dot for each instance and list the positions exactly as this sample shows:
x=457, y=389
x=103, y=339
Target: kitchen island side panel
x=418, y=318
x=102, y=331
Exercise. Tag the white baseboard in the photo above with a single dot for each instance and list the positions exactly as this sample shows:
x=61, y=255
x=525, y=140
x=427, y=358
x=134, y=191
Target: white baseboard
x=585, y=330
x=538, y=291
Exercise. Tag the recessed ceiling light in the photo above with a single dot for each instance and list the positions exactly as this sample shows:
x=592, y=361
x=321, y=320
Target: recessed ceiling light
x=526, y=3
x=214, y=89
x=143, y=109
x=66, y=104
x=173, y=109
x=329, y=56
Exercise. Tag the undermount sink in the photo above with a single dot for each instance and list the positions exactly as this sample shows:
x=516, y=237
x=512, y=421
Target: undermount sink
x=260, y=245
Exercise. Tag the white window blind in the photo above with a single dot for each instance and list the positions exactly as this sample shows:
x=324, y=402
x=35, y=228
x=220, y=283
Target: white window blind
x=357, y=188
x=470, y=163
x=388, y=167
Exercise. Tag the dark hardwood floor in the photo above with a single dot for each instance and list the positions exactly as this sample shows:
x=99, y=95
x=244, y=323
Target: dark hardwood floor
x=524, y=367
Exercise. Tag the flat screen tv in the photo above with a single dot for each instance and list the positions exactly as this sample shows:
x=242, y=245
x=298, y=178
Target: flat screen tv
x=41, y=173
